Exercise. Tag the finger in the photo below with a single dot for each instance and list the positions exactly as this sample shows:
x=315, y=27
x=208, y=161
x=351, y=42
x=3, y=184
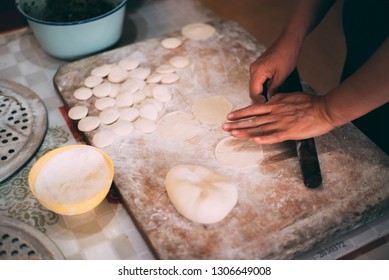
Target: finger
x=256, y=86
x=249, y=111
x=270, y=138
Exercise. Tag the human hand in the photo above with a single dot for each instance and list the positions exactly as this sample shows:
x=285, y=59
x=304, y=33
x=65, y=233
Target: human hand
x=287, y=116
x=275, y=64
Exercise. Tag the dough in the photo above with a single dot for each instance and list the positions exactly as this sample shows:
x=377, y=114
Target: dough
x=165, y=68
x=154, y=78
x=109, y=115
x=78, y=112
x=122, y=128
x=124, y=99
x=199, y=194
x=171, y=43
x=117, y=74
x=92, y=81
x=179, y=61
x=129, y=114
x=162, y=93
x=101, y=71
x=212, y=110
x=154, y=101
x=139, y=97
x=198, y=31
x=132, y=85
x=103, y=138
x=104, y=103
x=88, y=123
x=148, y=89
x=128, y=64
x=115, y=89
x=169, y=78
x=83, y=93
x=140, y=73
x=238, y=153
x=149, y=111
x=144, y=125
x=178, y=126
x=102, y=90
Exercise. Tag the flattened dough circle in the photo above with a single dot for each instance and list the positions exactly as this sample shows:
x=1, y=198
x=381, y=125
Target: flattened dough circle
x=212, y=110
x=200, y=194
x=178, y=126
x=238, y=153
x=198, y=31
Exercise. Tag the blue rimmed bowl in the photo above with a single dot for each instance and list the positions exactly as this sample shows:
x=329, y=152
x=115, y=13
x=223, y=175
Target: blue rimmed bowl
x=71, y=40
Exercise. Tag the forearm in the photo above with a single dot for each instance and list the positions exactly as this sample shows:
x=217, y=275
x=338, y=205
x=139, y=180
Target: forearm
x=364, y=91
x=306, y=15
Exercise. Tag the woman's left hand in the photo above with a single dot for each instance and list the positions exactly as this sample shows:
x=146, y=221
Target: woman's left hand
x=287, y=116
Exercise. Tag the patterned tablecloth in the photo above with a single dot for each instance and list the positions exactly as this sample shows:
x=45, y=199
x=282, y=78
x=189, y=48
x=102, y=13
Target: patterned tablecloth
x=107, y=232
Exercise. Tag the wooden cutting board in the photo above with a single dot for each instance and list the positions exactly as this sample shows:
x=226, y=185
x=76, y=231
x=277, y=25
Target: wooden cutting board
x=276, y=216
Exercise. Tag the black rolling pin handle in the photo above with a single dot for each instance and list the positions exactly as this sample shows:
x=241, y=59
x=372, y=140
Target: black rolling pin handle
x=309, y=163
x=265, y=89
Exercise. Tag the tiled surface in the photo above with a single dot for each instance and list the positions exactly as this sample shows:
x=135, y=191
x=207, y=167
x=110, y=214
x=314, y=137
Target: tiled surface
x=108, y=232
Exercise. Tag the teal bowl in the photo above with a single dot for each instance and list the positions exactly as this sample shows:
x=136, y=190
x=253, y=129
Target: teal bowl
x=72, y=40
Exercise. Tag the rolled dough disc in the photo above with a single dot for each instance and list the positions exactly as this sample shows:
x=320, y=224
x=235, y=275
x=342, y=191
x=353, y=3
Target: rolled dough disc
x=83, y=93
x=88, y=123
x=200, y=194
x=179, y=61
x=238, y=153
x=78, y=112
x=198, y=31
x=178, y=126
x=212, y=110
x=171, y=43
x=103, y=138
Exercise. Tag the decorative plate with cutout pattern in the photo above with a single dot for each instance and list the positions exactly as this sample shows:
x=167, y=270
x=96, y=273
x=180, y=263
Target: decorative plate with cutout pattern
x=23, y=125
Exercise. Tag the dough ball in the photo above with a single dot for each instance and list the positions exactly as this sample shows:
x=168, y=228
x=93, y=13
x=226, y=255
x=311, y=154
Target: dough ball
x=198, y=31
x=78, y=112
x=109, y=115
x=154, y=78
x=101, y=71
x=169, y=78
x=149, y=111
x=104, y=103
x=140, y=73
x=199, y=194
x=178, y=126
x=129, y=114
x=88, y=123
x=238, y=153
x=124, y=99
x=92, y=81
x=162, y=93
x=122, y=128
x=179, y=61
x=212, y=110
x=165, y=68
x=144, y=125
x=128, y=63
x=82, y=93
x=171, y=43
x=103, y=138
x=102, y=90
x=117, y=74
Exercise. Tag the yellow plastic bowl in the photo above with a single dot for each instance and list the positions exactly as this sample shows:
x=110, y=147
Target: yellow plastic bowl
x=76, y=207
